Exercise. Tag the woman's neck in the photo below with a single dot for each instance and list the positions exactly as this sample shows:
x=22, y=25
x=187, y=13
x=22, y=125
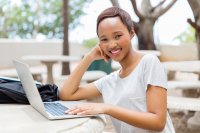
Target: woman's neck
x=130, y=62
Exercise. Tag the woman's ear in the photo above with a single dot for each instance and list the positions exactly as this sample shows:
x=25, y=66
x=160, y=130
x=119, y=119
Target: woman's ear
x=132, y=32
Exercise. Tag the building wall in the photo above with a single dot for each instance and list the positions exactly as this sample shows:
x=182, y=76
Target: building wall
x=12, y=49
x=178, y=52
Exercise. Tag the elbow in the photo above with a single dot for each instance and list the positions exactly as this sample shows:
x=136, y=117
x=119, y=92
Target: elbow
x=160, y=126
x=62, y=95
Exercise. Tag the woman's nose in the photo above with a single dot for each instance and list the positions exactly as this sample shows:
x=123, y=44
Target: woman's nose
x=112, y=44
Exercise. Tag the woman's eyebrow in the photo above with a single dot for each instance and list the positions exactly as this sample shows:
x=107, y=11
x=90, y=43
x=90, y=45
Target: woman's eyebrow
x=102, y=36
x=116, y=32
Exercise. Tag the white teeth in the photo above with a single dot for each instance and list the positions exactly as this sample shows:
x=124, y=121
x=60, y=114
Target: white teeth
x=115, y=51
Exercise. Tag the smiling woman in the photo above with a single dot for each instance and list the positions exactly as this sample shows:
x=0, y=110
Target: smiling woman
x=135, y=96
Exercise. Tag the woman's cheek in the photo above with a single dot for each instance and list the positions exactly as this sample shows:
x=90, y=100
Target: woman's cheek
x=103, y=47
x=122, y=40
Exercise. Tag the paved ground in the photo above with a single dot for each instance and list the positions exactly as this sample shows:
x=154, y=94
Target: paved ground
x=180, y=117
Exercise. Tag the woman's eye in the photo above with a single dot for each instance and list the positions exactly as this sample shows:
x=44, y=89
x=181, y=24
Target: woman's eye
x=104, y=40
x=117, y=36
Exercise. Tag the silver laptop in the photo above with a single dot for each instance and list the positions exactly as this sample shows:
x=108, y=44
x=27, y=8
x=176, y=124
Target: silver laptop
x=51, y=110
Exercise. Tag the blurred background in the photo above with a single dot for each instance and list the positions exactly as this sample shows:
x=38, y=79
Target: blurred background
x=56, y=31
x=72, y=24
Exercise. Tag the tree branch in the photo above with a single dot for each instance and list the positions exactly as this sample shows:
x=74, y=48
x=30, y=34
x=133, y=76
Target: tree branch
x=136, y=26
x=115, y=3
x=162, y=11
x=136, y=9
x=195, y=8
x=193, y=24
x=158, y=6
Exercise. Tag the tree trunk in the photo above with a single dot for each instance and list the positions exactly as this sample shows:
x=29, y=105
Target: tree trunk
x=4, y=29
x=115, y=3
x=197, y=34
x=144, y=28
x=36, y=25
x=145, y=34
x=65, y=65
x=195, y=4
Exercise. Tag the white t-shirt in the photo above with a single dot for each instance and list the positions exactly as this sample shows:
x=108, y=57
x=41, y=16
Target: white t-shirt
x=130, y=92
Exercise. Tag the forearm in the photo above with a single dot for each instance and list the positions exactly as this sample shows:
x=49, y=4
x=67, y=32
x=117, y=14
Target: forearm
x=71, y=85
x=145, y=120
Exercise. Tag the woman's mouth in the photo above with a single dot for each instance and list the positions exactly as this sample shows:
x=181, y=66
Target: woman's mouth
x=115, y=52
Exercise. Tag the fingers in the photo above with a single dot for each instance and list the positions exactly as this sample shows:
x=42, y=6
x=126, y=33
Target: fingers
x=105, y=57
x=86, y=109
x=78, y=111
x=101, y=52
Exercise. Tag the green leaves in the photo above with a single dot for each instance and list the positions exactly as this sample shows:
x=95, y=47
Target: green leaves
x=90, y=43
x=28, y=18
x=187, y=36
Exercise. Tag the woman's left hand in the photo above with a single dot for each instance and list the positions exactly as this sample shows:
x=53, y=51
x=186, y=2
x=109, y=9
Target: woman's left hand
x=88, y=109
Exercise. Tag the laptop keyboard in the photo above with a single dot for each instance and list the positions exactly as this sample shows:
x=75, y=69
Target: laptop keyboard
x=55, y=109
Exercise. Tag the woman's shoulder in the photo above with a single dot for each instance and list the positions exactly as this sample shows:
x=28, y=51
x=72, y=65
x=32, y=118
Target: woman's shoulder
x=150, y=58
x=112, y=75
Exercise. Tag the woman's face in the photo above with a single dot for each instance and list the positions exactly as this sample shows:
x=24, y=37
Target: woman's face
x=114, y=37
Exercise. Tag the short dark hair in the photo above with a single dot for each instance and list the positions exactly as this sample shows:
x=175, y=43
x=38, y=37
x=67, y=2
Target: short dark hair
x=116, y=12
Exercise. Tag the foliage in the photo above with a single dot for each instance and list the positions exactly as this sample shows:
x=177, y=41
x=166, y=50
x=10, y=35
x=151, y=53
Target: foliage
x=187, y=36
x=29, y=18
x=89, y=43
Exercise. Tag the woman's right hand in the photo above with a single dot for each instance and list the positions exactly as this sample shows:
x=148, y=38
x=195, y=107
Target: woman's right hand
x=97, y=53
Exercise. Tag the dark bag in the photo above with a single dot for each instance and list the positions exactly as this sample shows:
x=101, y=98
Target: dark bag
x=11, y=91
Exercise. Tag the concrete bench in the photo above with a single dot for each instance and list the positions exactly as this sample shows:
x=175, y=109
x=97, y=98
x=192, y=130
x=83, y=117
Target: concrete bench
x=189, y=104
x=183, y=84
x=189, y=88
x=183, y=103
x=12, y=73
x=89, y=76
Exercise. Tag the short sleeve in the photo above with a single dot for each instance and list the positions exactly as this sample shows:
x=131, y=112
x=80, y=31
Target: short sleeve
x=106, y=82
x=154, y=72
x=99, y=84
